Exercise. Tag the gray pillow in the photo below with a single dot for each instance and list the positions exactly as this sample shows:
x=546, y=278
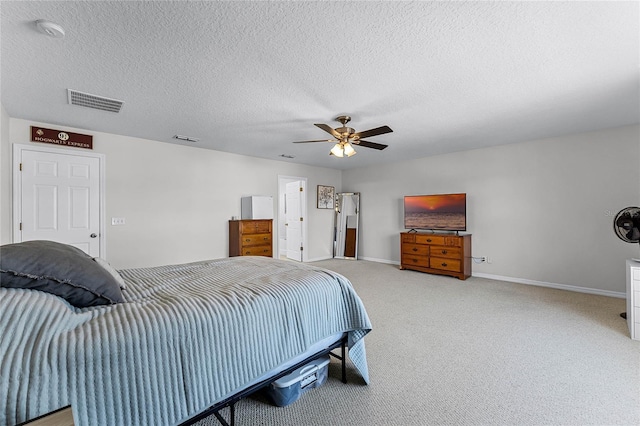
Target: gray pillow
x=60, y=269
x=111, y=270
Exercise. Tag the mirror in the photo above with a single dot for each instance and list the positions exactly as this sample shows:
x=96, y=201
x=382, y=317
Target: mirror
x=345, y=233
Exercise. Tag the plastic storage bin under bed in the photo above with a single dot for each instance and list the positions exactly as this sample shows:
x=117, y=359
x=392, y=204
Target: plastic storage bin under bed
x=290, y=388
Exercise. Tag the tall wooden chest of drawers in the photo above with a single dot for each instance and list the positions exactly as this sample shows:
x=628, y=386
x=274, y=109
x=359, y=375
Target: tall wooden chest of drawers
x=436, y=254
x=251, y=237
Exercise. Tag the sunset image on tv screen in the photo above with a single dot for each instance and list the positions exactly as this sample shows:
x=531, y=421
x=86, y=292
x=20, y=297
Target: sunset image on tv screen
x=445, y=212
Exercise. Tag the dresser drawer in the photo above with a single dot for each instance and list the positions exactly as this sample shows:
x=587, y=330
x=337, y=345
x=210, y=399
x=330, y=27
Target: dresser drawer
x=438, y=240
x=255, y=227
x=255, y=239
x=416, y=249
x=444, y=264
x=257, y=251
x=414, y=260
x=430, y=239
x=408, y=238
x=442, y=251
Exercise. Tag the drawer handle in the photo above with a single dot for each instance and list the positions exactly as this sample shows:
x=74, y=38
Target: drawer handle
x=444, y=264
x=415, y=260
x=266, y=238
x=247, y=240
x=429, y=240
x=444, y=252
x=248, y=252
x=414, y=249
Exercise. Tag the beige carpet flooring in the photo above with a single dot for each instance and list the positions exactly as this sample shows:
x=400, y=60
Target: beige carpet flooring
x=474, y=352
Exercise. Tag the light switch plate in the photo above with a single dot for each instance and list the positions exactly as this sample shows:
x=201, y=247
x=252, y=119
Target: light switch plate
x=117, y=221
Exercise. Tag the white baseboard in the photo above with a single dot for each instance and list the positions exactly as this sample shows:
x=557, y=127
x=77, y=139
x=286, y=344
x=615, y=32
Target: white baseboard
x=567, y=287
x=373, y=259
x=318, y=259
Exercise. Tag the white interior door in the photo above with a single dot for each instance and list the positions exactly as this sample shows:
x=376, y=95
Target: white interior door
x=60, y=199
x=293, y=215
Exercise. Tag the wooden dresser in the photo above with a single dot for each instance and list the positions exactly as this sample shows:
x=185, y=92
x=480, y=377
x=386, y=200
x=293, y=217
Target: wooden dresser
x=436, y=253
x=251, y=237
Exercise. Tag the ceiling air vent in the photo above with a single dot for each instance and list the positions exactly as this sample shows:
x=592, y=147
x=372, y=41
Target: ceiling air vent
x=93, y=101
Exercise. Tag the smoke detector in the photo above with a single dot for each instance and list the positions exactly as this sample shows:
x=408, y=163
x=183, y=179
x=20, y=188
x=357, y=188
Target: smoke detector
x=49, y=28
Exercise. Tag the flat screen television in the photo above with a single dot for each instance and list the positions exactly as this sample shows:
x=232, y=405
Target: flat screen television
x=444, y=212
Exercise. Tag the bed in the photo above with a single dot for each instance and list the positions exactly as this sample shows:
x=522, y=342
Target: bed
x=181, y=339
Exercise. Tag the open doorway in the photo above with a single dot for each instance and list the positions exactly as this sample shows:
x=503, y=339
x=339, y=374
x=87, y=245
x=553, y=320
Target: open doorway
x=292, y=213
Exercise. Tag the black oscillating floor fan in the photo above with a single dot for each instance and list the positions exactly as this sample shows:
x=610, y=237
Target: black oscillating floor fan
x=626, y=225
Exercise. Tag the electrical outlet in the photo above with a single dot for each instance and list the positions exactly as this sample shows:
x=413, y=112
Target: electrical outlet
x=117, y=221
x=483, y=259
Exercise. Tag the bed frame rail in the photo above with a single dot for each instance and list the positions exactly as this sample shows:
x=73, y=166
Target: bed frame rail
x=231, y=401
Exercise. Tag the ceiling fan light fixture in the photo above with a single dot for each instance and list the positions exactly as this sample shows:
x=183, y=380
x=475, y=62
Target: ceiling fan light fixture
x=337, y=150
x=348, y=150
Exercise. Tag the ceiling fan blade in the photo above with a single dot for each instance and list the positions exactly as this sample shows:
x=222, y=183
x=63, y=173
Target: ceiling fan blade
x=329, y=130
x=372, y=132
x=370, y=144
x=319, y=140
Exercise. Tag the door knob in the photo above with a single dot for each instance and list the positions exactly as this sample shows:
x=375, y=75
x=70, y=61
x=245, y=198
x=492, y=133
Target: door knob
x=93, y=235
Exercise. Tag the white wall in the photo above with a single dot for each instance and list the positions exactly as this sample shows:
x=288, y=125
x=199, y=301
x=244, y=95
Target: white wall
x=177, y=200
x=542, y=210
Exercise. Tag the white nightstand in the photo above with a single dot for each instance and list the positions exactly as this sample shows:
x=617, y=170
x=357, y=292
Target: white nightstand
x=633, y=298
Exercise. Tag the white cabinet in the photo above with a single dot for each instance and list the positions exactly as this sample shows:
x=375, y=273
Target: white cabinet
x=633, y=298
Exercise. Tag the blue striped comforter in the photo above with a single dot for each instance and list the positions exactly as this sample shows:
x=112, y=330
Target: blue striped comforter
x=188, y=336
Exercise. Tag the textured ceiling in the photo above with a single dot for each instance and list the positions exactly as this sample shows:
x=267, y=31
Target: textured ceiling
x=251, y=77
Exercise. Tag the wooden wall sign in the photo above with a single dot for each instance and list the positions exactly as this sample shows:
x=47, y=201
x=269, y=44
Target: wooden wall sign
x=60, y=137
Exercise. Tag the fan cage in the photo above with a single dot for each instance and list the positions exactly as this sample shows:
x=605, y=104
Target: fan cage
x=626, y=225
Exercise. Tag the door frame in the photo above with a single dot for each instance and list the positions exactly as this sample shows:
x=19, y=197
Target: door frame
x=282, y=181
x=16, y=197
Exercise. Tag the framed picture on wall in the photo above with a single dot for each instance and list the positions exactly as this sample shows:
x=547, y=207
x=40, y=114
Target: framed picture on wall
x=326, y=196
